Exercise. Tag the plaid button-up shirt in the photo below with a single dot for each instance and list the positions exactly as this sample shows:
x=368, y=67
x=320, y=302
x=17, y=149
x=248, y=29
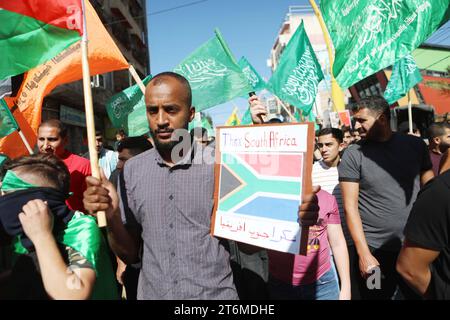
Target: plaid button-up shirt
x=173, y=206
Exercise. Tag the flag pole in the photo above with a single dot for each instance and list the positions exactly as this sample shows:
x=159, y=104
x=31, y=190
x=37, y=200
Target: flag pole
x=410, y=120
x=137, y=78
x=25, y=142
x=19, y=131
x=336, y=91
x=286, y=109
x=89, y=110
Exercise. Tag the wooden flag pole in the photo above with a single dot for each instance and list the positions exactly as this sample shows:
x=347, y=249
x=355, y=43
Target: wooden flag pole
x=89, y=110
x=25, y=142
x=137, y=78
x=286, y=109
x=410, y=120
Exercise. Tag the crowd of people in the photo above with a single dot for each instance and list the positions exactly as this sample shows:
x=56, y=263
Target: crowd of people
x=378, y=216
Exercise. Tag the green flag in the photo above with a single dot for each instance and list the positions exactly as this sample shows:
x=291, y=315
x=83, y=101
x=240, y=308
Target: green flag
x=213, y=74
x=127, y=111
x=311, y=117
x=298, y=73
x=33, y=32
x=3, y=158
x=7, y=122
x=297, y=115
x=252, y=75
x=370, y=35
x=202, y=123
x=405, y=75
x=233, y=120
x=247, y=118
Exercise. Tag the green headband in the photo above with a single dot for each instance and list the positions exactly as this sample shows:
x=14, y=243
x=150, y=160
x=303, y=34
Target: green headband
x=11, y=182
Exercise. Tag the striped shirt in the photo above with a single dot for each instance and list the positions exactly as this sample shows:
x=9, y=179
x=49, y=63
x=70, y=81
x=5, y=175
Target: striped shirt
x=173, y=206
x=328, y=179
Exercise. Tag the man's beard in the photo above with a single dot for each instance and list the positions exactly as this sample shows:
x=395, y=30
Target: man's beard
x=163, y=147
x=443, y=147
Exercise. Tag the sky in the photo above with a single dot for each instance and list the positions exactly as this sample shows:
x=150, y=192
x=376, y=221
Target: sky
x=177, y=27
x=249, y=27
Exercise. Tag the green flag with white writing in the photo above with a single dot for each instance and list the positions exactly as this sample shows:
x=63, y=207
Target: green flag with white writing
x=213, y=74
x=297, y=76
x=7, y=122
x=127, y=111
x=370, y=35
x=252, y=75
x=405, y=75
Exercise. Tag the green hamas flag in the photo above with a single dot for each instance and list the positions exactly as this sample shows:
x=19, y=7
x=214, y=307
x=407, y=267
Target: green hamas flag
x=127, y=111
x=370, y=35
x=7, y=122
x=213, y=74
x=311, y=117
x=247, y=118
x=202, y=123
x=252, y=75
x=405, y=75
x=298, y=73
x=3, y=158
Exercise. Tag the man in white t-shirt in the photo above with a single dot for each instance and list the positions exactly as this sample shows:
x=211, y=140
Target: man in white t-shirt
x=325, y=173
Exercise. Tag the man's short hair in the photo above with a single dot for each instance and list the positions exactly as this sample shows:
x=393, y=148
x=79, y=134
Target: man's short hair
x=55, y=123
x=121, y=132
x=346, y=129
x=159, y=78
x=47, y=167
x=376, y=104
x=97, y=133
x=437, y=129
x=135, y=145
x=336, y=133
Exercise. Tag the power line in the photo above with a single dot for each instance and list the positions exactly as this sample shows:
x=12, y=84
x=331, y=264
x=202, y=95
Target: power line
x=177, y=7
x=437, y=62
x=159, y=12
